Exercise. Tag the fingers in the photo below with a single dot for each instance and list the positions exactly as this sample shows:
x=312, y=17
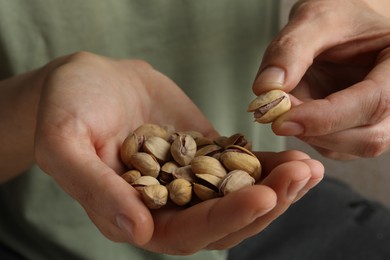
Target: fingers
x=292, y=51
x=190, y=230
x=115, y=207
x=338, y=121
x=290, y=181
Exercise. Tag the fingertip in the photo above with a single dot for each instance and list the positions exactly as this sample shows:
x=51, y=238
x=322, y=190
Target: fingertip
x=270, y=78
x=255, y=201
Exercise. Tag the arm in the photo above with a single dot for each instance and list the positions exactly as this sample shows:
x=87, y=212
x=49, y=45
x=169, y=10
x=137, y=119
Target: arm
x=19, y=98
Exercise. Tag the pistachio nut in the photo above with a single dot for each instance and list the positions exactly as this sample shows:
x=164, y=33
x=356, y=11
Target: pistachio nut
x=180, y=191
x=238, y=158
x=131, y=176
x=209, y=180
x=202, y=141
x=144, y=181
x=131, y=145
x=158, y=147
x=183, y=149
x=209, y=150
x=270, y=105
x=155, y=196
x=184, y=172
x=235, y=180
x=146, y=164
x=208, y=165
x=203, y=192
x=148, y=130
x=166, y=172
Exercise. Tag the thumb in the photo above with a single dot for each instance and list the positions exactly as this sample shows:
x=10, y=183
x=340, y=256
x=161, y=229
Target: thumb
x=111, y=203
x=291, y=53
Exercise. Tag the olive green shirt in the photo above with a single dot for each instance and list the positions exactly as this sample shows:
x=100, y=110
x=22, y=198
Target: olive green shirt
x=210, y=48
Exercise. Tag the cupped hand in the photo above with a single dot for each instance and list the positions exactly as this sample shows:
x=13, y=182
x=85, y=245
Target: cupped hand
x=88, y=106
x=334, y=57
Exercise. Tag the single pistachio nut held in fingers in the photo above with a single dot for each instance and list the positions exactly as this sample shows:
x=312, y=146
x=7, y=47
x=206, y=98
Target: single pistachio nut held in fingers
x=269, y=106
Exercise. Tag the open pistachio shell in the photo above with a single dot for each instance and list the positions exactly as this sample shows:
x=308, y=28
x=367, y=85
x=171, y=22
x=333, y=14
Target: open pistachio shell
x=270, y=105
x=238, y=158
x=208, y=165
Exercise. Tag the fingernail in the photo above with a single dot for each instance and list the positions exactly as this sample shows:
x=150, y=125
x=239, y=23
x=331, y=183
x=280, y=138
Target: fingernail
x=125, y=224
x=273, y=76
x=288, y=128
x=295, y=188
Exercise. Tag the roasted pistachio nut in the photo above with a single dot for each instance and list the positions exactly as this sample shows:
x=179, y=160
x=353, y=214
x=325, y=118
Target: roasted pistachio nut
x=155, y=196
x=158, y=147
x=143, y=181
x=148, y=130
x=209, y=180
x=235, y=180
x=131, y=145
x=209, y=150
x=184, y=172
x=203, y=192
x=208, y=165
x=180, y=191
x=146, y=164
x=238, y=158
x=183, y=149
x=270, y=105
x=131, y=176
x=166, y=172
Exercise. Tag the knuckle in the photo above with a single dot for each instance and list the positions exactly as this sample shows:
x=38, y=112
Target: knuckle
x=376, y=145
x=83, y=56
x=304, y=11
x=382, y=108
x=141, y=64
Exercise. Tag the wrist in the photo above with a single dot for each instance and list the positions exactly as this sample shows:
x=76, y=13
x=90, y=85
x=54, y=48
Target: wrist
x=19, y=99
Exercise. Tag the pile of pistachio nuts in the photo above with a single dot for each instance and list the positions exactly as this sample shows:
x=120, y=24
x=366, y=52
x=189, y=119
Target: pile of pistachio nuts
x=185, y=167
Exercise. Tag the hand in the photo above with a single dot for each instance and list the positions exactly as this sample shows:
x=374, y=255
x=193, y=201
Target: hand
x=334, y=57
x=88, y=106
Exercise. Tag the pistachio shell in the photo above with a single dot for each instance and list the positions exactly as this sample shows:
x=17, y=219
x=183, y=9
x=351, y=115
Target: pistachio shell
x=145, y=163
x=180, y=191
x=209, y=179
x=131, y=145
x=155, y=196
x=144, y=181
x=208, y=150
x=208, y=165
x=131, y=176
x=203, y=192
x=202, y=141
x=158, y=147
x=166, y=171
x=235, y=180
x=183, y=149
x=270, y=105
x=148, y=130
x=238, y=158
x=184, y=172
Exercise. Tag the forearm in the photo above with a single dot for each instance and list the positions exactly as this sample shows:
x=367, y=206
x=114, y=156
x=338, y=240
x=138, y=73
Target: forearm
x=19, y=98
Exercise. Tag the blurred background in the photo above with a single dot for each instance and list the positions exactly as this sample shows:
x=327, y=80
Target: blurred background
x=370, y=177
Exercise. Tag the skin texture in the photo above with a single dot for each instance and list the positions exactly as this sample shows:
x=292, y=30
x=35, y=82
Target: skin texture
x=71, y=116
x=333, y=57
